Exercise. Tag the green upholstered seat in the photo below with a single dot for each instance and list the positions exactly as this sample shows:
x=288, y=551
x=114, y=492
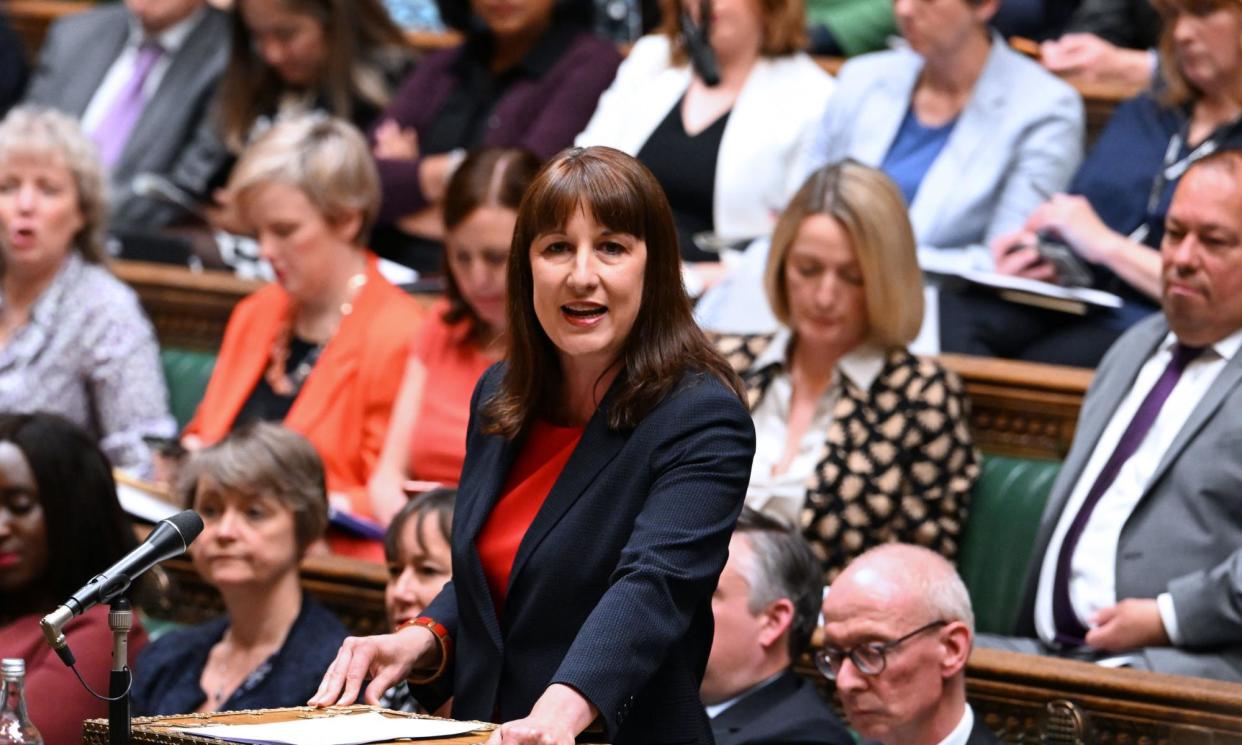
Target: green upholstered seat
x=1006, y=505
x=186, y=371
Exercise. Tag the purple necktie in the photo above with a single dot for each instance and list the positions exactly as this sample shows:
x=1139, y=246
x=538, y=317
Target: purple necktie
x=1070, y=630
x=113, y=130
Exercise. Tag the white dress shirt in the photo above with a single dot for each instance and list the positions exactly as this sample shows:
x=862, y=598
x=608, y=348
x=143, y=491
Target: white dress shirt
x=1093, y=568
x=783, y=494
x=961, y=733
x=715, y=710
x=170, y=40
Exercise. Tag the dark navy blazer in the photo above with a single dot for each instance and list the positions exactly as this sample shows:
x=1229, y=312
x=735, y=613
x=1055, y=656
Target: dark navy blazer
x=611, y=588
x=787, y=711
x=167, y=673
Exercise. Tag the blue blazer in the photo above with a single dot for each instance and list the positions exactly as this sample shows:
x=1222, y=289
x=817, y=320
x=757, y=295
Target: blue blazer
x=167, y=673
x=610, y=591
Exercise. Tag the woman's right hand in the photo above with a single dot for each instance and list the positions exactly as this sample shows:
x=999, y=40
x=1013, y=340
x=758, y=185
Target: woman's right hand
x=386, y=660
x=394, y=143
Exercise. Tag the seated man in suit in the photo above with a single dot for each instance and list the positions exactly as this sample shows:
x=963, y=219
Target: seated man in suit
x=1138, y=552
x=140, y=77
x=765, y=608
x=898, y=628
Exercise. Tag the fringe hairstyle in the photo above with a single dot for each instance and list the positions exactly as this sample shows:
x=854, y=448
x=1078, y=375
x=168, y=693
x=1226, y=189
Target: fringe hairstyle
x=873, y=213
x=664, y=343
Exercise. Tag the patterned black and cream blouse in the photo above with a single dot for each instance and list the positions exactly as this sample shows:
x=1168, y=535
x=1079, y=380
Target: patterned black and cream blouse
x=898, y=461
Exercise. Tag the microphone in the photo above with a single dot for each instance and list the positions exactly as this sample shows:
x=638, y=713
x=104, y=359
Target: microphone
x=171, y=537
x=698, y=43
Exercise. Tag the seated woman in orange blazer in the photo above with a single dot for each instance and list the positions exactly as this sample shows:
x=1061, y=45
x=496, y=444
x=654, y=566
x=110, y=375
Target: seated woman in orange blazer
x=322, y=349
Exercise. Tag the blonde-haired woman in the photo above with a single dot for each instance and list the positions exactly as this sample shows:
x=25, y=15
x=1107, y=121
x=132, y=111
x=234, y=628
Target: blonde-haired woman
x=73, y=339
x=858, y=441
x=320, y=349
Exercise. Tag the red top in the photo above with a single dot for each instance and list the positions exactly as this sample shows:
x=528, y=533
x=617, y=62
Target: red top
x=56, y=701
x=453, y=363
x=535, y=471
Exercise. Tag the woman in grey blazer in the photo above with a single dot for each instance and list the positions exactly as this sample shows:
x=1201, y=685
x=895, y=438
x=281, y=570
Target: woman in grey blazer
x=975, y=134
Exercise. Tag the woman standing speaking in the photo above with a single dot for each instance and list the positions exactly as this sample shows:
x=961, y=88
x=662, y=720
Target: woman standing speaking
x=606, y=463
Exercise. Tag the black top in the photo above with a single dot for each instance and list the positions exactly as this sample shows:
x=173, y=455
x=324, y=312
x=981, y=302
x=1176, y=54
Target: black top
x=467, y=113
x=167, y=673
x=685, y=165
x=266, y=404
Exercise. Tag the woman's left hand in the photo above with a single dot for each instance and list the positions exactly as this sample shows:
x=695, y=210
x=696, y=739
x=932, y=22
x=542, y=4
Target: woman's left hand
x=557, y=717
x=1073, y=219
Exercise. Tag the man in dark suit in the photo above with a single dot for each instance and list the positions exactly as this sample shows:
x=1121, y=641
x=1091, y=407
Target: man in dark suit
x=140, y=76
x=765, y=609
x=898, y=629
x=1137, y=553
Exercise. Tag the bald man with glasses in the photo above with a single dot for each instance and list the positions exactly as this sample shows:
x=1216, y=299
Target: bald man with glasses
x=898, y=629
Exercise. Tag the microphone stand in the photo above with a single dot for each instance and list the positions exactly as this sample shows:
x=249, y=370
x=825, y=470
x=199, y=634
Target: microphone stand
x=120, y=620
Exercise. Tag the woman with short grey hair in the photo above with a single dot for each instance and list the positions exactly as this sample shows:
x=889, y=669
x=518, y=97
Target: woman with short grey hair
x=73, y=339
x=261, y=494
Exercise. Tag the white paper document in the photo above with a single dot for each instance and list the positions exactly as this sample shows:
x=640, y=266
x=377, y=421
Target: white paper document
x=345, y=729
x=142, y=503
x=972, y=267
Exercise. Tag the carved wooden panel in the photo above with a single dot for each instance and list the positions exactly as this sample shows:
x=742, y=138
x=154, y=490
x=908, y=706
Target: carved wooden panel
x=1021, y=408
x=189, y=309
x=1029, y=700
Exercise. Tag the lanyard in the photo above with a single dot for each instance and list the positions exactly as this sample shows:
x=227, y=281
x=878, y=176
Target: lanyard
x=1172, y=167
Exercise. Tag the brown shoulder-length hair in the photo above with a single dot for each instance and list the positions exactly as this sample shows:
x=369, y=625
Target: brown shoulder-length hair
x=491, y=177
x=784, y=27
x=664, y=343
x=364, y=47
x=1178, y=91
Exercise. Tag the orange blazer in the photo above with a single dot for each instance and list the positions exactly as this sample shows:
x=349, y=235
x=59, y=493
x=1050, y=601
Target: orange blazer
x=344, y=405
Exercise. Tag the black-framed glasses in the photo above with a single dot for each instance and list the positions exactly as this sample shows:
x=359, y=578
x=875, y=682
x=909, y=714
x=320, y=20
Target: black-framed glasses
x=869, y=658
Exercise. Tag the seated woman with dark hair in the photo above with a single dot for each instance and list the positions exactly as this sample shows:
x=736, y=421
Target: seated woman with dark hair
x=1113, y=216
x=858, y=441
x=420, y=563
x=527, y=75
x=464, y=333
x=319, y=348
x=73, y=338
x=260, y=492
x=728, y=155
x=290, y=57
x=60, y=525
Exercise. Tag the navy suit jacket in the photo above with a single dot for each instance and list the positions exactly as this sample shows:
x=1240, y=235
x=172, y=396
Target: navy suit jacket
x=610, y=591
x=787, y=711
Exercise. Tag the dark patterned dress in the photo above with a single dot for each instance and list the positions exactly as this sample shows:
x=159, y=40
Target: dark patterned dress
x=898, y=462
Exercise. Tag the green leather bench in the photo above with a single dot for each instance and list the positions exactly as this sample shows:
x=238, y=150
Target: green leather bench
x=186, y=371
x=1005, y=508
